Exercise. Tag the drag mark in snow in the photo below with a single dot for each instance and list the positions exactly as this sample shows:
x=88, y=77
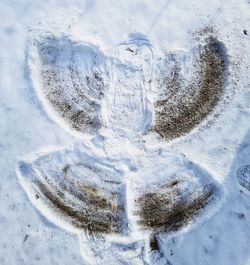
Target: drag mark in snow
x=126, y=109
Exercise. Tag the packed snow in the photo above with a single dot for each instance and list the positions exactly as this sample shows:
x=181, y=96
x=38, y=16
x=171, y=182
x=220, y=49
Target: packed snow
x=124, y=132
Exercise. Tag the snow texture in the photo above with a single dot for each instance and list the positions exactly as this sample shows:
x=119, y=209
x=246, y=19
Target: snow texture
x=126, y=125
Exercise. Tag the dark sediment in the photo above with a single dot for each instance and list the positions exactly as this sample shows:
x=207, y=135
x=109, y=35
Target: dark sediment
x=73, y=91
x=84, y=205
x=166, y=209
x=183, y=109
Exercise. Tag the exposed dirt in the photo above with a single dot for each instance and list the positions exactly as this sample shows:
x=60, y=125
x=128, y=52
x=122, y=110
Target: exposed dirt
x=85, y=206
x=166, y=209
x=73, y=93
x=153, y=243
x=184, y=109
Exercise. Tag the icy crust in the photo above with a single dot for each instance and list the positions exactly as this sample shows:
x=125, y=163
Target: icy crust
x=118, y=214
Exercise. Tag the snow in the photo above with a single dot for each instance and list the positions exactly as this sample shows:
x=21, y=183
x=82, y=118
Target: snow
x=35, y=140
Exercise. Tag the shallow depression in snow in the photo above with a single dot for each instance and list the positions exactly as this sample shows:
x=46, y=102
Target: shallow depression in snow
x=125, y=188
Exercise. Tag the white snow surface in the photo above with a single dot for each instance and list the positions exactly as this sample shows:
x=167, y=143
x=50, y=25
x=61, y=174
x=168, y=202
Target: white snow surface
x=34, y=136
